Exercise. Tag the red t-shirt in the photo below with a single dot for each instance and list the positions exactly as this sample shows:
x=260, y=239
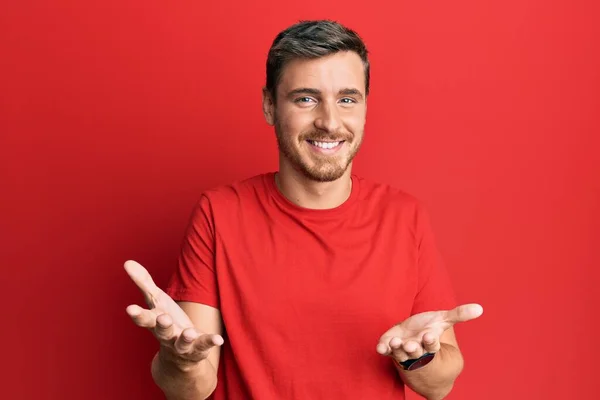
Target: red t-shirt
x=306, y=294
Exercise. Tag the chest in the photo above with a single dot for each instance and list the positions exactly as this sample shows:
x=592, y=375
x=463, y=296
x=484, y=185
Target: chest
x=331, y=273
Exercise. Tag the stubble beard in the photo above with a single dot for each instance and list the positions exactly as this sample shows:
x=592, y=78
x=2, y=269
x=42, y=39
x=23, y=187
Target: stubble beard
x=322, y=168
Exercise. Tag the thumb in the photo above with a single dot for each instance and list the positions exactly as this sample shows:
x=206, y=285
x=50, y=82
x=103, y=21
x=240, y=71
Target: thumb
x=140, y=276
x=464, y=313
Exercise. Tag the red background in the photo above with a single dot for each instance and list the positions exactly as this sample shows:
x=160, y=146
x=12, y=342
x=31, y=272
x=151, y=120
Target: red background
x=114, y=116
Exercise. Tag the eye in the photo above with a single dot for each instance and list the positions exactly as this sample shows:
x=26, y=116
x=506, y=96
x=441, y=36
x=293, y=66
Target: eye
x=347, y=100
x=303, y=100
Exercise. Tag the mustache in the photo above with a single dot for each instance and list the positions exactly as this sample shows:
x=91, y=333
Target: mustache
x=320, y=137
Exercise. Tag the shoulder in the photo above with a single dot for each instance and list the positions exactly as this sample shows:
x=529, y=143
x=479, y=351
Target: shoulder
x=393, y=204
x=235, y=194
x=387, y=196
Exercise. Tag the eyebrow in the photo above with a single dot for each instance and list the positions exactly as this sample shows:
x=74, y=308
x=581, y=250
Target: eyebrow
x=316, y=92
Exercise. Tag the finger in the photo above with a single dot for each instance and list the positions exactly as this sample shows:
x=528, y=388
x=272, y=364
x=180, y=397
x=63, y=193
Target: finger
x=413, y=349
x=397, y=349
x=431, y=343
x=400, y=355
x=463, y=313
x=141, y=317
x=141, y=277
x=185, y=342
x=206, y=342
x=396, y=343
x=383, y=347
x=165, y=329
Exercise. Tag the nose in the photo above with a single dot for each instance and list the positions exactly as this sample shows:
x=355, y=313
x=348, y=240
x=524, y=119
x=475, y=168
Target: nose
x=328, y=119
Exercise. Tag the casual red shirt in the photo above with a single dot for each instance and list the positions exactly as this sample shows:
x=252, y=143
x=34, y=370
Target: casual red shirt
x=306, y=294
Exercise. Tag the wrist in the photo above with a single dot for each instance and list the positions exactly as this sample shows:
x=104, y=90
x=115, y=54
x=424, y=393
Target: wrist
x=171, y=363
x=436, y=379
x=416, y=363
x=196, y=380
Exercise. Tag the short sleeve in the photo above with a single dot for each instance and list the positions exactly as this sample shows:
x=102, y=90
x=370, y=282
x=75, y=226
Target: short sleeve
x=194, y=278
x=435, y=290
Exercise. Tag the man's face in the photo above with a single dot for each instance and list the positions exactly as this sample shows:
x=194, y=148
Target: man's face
x=320, y=113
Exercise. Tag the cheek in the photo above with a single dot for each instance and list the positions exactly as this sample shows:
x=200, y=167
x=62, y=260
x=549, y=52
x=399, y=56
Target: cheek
x=293, y=124
x=358, y=116
x=355, y=123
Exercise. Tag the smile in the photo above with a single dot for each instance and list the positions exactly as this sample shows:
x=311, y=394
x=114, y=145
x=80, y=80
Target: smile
x=325, y=145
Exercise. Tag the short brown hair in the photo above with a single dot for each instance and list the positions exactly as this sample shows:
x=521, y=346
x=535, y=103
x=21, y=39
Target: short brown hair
x=312, y=39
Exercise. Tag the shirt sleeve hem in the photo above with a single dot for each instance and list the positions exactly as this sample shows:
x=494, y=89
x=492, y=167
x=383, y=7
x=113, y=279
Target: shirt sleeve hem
x=192, y=296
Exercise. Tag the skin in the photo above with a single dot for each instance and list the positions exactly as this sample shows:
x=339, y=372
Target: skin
x=325, y=100
x=321, y=99
x=318, y=100
x=189, y=334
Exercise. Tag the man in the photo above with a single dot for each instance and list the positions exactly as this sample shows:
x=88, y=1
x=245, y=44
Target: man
x=308, y=283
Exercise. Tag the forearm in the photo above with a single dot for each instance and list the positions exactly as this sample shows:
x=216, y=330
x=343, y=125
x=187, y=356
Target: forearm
x=179, y=383
x=435, y=380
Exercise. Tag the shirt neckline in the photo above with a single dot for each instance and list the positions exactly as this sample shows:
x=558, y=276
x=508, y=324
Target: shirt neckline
x=296, y=209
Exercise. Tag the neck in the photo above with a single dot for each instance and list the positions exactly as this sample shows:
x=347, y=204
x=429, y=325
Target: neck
x=308, y=193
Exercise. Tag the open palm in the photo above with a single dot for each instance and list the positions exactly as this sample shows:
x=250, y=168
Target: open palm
x=158, y=301
x=421, y=332
x=167, y=321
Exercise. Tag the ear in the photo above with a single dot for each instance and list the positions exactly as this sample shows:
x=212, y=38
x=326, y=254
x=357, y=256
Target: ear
x=268, y=107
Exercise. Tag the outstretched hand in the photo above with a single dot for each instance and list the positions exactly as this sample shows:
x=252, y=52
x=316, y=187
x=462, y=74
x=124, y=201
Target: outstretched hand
x=420, y=333
x=182, y=343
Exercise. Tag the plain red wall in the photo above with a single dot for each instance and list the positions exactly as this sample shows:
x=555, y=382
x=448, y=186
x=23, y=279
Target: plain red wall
x=114, y=116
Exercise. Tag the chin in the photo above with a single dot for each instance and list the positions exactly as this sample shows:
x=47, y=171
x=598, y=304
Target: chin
x=324, y=174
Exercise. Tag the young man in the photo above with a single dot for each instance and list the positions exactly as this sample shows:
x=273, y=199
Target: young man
x=311, y=282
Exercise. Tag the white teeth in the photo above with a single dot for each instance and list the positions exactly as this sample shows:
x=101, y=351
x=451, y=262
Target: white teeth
x=325, y=145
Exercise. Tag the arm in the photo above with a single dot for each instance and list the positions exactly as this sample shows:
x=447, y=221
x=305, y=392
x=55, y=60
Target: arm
x=189, y=335
x=429, y=332
x=435, y=380
x=194, y=286
x=194, y=380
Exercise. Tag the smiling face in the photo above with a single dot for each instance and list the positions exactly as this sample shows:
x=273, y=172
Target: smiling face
x=319, y=114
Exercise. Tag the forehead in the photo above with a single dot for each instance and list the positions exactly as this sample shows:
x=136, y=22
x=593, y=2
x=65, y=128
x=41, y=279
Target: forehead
x=330, y=73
